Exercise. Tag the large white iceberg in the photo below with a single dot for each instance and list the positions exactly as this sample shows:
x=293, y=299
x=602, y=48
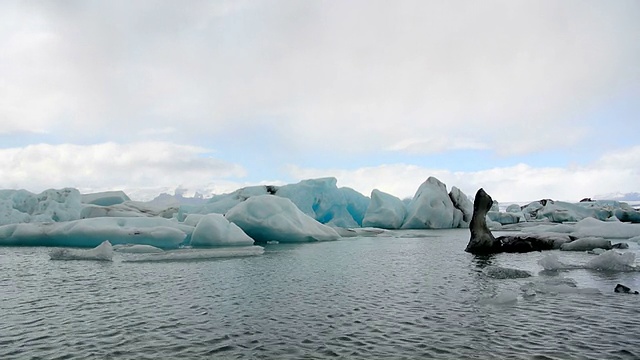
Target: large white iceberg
x=272, y=218
x=430, y=208
x=385, y=211
x=216, y=230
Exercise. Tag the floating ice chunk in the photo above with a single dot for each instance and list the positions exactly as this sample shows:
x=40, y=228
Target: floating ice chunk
x=613, y=261
x=198, y=254
x=504, y=218
x=103, y=252
x=611, y=230
x=555, y=285
x=548, y=228
x=635, y=239
x=504, y=298
x=498, y=272
x=137, y=249
x=551, y=262
x=385, y=211
x=216, y=230
x=430, y=208
x=586, y=244
x=267, y=217
x=597, y=251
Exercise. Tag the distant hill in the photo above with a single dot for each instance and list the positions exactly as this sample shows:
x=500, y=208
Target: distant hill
x=633, y=196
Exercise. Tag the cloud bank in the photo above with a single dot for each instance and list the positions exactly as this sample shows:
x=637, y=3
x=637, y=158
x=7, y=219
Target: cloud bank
x=128, y=95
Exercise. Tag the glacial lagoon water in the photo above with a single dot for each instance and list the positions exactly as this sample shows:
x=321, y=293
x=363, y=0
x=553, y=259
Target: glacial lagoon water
x=403, y=295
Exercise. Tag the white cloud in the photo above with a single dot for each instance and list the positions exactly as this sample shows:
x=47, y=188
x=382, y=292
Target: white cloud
x=616, y=171
x=110, y=166
x=369, y=74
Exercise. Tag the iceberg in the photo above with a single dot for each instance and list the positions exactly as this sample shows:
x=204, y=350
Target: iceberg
x=131, y=209
x=610, y=230
x=461, y=202
x=430, y=208
x=103, y=252
x=216, y=230
x=613, y=261
x=162, y=233
x=559, y=285
x=272, y=218
x=324, y=201
x=385, y=211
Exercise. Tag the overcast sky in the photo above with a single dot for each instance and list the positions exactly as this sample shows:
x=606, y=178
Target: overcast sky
x=528, y=99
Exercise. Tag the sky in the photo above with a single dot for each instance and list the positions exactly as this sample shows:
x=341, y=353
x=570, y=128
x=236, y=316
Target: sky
x=527, y=99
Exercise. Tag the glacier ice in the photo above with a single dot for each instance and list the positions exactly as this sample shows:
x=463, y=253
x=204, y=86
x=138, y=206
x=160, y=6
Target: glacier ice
x=385, y=211
x=267, y=218
x=216, y=230
x=102, y=252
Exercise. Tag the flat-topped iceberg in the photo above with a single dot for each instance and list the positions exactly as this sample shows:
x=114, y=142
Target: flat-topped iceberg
x=159, y=232
x=273, y=218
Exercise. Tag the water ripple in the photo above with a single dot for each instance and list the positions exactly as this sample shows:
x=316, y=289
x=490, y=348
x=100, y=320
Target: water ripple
x=412, y=296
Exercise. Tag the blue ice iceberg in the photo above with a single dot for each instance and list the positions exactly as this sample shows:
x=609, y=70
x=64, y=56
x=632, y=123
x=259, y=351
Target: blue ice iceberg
x=272, y=218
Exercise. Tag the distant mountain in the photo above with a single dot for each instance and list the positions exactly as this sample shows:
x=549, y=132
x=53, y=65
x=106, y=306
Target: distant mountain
x=633, y=196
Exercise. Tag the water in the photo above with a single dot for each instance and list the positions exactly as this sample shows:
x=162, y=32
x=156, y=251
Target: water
x=414, y=294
